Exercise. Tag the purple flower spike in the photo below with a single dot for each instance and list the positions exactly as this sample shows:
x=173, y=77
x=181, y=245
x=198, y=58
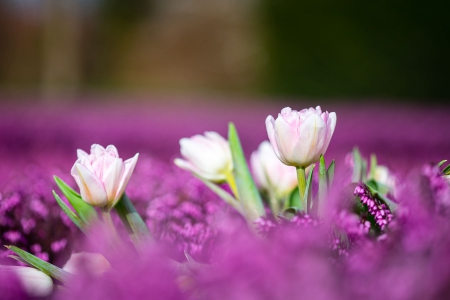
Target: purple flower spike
x=379, y=210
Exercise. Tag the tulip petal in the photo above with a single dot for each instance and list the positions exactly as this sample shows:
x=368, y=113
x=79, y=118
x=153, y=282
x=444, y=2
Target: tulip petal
x=111, y=178
x=35, y=282
x=97, y=150
x=91, y=188
x=128, y=168
x=188, y=166
x=81, y=154
x=270, y=127
x=332, y=119
x=311, y=140
x=286, y=137
x=111, y=149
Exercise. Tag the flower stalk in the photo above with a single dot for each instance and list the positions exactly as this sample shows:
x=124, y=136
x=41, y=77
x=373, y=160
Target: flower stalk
x=301, y=178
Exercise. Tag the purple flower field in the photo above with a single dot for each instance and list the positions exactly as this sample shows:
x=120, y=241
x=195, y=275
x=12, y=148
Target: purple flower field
x=407, y=257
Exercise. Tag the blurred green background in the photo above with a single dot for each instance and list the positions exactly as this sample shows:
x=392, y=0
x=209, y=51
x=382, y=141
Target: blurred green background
x=348, y=49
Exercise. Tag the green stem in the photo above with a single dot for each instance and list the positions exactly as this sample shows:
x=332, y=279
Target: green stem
x=109, y=222
x=301, y=177
x=274, y=203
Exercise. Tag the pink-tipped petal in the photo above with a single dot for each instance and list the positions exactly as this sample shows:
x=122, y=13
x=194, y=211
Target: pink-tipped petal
x=332, y=119
x=111, y=149
x=81, y=154
x=97, y=150
x=312, y=139
x=111, y=178
x=128, y=166
x=270, y=127
x=91, y=188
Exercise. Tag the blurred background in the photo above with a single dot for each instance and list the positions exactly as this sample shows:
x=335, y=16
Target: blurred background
x=254, y=49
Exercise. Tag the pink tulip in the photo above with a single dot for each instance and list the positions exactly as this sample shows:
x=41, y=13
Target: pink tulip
x=102, y=175
x=299, y=138
x=270, y=173
x=207, y=156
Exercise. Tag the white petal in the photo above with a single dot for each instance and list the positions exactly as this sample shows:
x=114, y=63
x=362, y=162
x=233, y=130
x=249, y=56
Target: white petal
x=188, y=166
x=97, y=150
x=111, y=149
x=270, y=127
x=311, y=141
x=81, y=154
x=128, y=166
x=91, y=188
x=35, y=282
x=95, y=263
x=286, y=137
x=112, y=177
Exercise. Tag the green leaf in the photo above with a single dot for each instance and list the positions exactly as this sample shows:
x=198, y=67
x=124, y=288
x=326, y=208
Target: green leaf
x=247, y=190
x=308, y=190
x=330, y=174
x=318, y=207
x=357, y=166
x=229, y=199
x=441, y=163
x=293, y=199
x=72, y=216
x=45, y=267
x=446, y=170
x=133, y=222
x=364, y=170
x=86, y=212
x=373, y=165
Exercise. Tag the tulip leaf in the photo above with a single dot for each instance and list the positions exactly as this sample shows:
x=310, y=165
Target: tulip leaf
x=72, y=216
x=446, y=170
x=247, y=190
x=319, y=203
x=373, y=165
x=133, y=222
x=308, y=190
x=330, y=174
x=293, y=200
x=357, y=166
x=441, y=163
x=229, y=199
x=86, y=212
x=43, y=266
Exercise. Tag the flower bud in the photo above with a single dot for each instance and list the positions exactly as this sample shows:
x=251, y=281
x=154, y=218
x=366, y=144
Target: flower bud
x=299, y=138
x=270, y=173
x=207, y=156
x=34, y=282
x=93, y=263
x=102, y=175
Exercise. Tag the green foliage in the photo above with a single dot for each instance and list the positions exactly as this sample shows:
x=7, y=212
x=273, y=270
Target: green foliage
x=133, y=222
x=47, y=268
x=247, y=190
x=84, y=210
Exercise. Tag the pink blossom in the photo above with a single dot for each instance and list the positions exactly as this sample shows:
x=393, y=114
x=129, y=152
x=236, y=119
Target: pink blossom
x=299, y=138
x=102, y=175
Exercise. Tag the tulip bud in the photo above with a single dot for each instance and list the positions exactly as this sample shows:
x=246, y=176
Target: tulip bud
x=93, y=263
x=34, y=282
x=207, y=156
x=382, y=175
x=101, y=175
x=271, y=174
x=299, y=138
